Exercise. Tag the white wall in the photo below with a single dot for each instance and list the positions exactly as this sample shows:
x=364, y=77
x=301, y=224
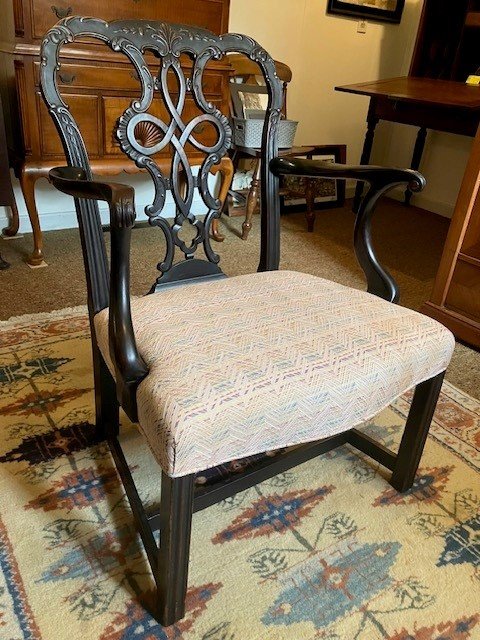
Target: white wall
x=324, y=51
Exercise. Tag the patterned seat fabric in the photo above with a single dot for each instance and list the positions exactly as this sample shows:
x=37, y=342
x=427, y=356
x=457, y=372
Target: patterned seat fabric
x=263, y=361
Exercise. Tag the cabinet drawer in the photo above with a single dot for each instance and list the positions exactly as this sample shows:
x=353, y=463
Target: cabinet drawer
x=85, y=76
x=211, y=14
x=85, y=111
x=114, y=107
x=464, y=290
x=82, y=76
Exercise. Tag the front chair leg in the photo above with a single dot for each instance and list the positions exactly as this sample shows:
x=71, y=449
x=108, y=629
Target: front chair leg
x=416, y=431
x=225, y=168
x=176, y=507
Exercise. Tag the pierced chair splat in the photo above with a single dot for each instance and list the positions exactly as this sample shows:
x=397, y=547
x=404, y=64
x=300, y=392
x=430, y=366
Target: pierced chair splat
x=359, y=351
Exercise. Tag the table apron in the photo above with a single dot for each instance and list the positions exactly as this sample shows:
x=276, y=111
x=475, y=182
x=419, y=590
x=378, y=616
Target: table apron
x=438, y=118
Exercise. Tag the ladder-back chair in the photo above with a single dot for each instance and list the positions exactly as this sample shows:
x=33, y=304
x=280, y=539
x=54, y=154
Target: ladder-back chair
x=215, y=369
x=246, y=72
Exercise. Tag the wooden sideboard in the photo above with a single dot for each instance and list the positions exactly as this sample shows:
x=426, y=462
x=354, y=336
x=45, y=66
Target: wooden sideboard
x=97, y=83
x=7, y=196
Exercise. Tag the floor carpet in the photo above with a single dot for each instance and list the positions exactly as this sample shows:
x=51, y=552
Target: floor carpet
x=326, y=551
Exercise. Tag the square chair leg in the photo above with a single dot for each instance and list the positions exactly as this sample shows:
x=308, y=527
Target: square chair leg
x=416, y=431
x=176, y=508
x=107, y=419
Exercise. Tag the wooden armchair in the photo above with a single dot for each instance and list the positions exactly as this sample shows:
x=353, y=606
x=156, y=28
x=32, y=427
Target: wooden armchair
x=177, y=359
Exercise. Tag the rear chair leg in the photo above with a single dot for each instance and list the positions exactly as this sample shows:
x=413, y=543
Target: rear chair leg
x=176, y=507
x=107, y=420
x=416, y=431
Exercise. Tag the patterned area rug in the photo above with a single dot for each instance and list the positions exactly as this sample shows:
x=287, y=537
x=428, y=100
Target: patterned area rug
x=328, y=550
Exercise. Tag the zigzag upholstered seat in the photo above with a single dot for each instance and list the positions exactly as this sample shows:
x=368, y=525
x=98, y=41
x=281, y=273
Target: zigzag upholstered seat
x=263, y=361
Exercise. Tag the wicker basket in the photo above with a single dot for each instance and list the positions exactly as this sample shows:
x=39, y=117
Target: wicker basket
x=248, y=133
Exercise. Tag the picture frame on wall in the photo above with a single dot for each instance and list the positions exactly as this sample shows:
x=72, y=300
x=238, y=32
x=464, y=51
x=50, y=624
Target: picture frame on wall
x=377, y=10
x=328, y=193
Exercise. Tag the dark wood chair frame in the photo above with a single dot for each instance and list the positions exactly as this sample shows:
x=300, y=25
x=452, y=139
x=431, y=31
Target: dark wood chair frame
x=110, y=288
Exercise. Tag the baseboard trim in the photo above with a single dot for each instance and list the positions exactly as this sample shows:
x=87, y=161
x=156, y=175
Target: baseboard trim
x=67, y=219
x=444, y=209
x=52, y=221
x=464, y=328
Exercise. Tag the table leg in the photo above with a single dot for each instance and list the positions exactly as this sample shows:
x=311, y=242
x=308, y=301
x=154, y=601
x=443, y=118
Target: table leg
x=416, y=157
x=28, y=177
x=310, y=203
x=225, y=168
x=14, y=220
x=252, y=200
x=372, y=121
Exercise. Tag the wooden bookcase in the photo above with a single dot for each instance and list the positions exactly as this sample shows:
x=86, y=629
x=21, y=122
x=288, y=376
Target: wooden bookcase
x=455, y=299
x=447, y=40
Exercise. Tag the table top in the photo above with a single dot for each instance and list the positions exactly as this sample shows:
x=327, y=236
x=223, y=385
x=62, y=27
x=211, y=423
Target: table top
x=427, y=91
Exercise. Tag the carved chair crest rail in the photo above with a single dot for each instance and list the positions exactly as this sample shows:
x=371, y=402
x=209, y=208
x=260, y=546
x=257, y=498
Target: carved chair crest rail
x=152, y=352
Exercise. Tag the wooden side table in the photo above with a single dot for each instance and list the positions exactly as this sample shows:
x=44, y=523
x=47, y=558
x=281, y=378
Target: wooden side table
x=339, y=151
x=427, y=103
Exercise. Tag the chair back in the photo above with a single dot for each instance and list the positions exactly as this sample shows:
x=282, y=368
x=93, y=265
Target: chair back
x=142, y=135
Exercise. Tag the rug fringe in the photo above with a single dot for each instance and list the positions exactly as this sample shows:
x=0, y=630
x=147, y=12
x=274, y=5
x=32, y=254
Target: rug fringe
x=30, y=318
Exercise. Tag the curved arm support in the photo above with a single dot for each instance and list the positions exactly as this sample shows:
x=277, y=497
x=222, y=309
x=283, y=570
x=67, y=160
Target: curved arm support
x=381, y=180
x=130, y=368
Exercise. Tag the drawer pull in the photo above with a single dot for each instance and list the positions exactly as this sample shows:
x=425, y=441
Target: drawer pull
x=62, y=12
x=67, y=78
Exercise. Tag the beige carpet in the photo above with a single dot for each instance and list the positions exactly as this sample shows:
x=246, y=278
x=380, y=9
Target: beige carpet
x=409, y=242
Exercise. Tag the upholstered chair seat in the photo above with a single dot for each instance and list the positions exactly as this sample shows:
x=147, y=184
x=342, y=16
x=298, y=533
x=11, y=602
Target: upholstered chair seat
x=263, y=361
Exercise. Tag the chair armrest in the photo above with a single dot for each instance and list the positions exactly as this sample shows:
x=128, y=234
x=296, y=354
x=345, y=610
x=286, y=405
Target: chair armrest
x=380, y=180
x=130, y=368
x=364, y=173
x=120, y=197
